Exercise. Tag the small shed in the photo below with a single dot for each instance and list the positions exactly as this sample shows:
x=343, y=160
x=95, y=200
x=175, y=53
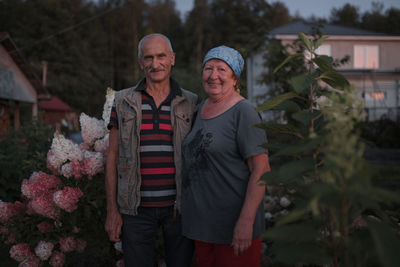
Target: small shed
x=18, y=84
x=58, y=113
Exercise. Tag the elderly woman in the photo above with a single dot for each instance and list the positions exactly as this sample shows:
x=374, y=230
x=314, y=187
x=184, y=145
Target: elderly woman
x=222, y=206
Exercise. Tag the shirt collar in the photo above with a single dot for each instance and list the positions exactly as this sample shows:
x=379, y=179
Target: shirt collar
x=175, y=88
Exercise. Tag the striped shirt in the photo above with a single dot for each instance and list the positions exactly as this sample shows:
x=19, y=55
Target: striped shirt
x=157, y=167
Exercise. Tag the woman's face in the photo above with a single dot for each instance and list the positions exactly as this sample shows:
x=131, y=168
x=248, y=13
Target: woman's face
x=218, y=78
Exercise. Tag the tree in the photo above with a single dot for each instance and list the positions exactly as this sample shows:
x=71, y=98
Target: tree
x=348, y=15
x=340, y=217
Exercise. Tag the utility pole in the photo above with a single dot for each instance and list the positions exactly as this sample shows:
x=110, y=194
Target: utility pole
x=44, y=73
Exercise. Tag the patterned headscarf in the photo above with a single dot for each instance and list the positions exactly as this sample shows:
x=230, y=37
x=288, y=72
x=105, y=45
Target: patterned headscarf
x=229, y=55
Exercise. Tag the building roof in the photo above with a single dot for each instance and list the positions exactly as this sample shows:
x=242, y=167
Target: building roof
x=326, y=29
x=54, y=104
x=15, y=54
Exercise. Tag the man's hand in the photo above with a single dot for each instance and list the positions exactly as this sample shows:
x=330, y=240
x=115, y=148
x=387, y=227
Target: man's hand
x=113, y=225
x=242, y=236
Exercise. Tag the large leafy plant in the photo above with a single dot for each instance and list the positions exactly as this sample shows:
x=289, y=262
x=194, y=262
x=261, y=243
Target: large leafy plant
x=338, y=216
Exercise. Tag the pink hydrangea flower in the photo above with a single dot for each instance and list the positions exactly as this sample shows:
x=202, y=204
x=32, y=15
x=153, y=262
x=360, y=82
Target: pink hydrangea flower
x=67, y=198
x=45, y=227
x=73, y=168
x=20, y=252
x=9, y=210
x=44, y=250
x=38, y=184
x=57, y=259
x=92, y=129
x=30, y=262
x=44, y=205
x=84, y=146
x=80, y=245
x=93, y=163
x=67, y=244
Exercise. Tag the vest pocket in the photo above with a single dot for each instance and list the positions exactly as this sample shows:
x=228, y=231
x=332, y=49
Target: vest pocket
x=127, y=128
x=125, y=182
x=183, y=123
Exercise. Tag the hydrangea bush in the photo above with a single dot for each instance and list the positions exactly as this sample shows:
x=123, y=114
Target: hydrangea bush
x=61, y=211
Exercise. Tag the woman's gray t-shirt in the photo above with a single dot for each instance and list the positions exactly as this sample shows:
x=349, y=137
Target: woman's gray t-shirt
x=215, y=173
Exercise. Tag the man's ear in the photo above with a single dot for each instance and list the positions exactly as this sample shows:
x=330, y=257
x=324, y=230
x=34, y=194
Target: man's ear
x=173, y=59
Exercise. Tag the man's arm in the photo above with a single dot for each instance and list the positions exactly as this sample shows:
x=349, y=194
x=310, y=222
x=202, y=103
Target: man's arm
x=243, y=232
x=113, y=221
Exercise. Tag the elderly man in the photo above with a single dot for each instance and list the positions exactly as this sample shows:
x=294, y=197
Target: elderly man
x=143, y=177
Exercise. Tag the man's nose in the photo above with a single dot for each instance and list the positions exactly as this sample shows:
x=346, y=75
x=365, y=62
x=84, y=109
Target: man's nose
x=155, y=63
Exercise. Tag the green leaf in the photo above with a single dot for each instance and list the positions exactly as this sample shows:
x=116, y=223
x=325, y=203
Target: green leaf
x=288, y=106
x=273, y=147
x=292, y=216
x=334, y=79
x=307, y=42
x=300, y=148
x=295, y=169
x=301, y=82
x=289, y=171
x=300, y=232
x=323, y=62
x=274, y=101
x=300, y=253
x=305, y=116
x=320, y=41
x=387, y=243
x=289, y=58
x=276, y=128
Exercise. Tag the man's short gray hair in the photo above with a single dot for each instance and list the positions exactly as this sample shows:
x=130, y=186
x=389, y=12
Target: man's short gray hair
x=152, y=35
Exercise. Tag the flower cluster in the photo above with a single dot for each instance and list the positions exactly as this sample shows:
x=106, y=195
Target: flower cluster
x=39, y=184
x=54, y=197
x=8, y=211
x=276, y=202
x=92, y=129
x=21, y=252
x=44, y=250
x=67, y=198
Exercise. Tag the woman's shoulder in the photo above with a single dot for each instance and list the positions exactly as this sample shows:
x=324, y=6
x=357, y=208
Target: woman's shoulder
x=245, y=105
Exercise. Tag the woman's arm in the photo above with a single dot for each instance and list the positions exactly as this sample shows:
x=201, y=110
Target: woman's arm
x=243, y=232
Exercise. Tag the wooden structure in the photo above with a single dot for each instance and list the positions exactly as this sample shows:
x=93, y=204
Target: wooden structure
x=18, y=84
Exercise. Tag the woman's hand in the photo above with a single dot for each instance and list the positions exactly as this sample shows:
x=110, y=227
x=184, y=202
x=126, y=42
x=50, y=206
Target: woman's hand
x=242, y=236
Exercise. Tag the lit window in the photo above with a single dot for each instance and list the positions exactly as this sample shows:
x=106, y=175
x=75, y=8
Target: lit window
x=375, y=95
x=366, y=56
x=324, y=50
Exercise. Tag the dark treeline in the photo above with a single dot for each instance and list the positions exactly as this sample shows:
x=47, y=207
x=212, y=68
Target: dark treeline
x=90, y=46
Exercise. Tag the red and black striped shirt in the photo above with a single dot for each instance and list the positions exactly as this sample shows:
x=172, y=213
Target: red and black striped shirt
x=157, y=167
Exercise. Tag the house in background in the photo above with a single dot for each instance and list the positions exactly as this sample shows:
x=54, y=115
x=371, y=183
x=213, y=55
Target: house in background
x=18, y=84
x=373, y=68
x=59, y=114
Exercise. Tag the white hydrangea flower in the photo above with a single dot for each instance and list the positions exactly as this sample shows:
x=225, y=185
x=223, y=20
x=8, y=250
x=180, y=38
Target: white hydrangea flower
x=44, y=250
x=118, y=246
x=108, y=105
x=66, y=170
x=284, y=202
x=101, y=145
x=63, y=150
x=92, y=129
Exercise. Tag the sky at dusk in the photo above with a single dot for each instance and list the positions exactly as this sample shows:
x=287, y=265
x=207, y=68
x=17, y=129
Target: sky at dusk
x=306, y=8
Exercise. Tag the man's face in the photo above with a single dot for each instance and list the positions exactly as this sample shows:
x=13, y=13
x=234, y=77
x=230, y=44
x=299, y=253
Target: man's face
x=157, y=59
